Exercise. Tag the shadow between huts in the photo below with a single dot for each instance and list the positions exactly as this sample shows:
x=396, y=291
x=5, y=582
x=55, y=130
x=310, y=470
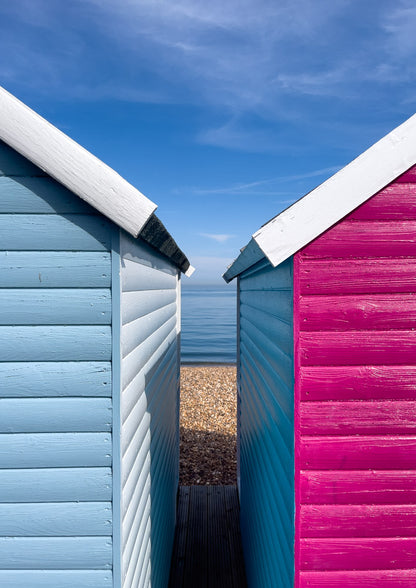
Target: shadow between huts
x=162, y=396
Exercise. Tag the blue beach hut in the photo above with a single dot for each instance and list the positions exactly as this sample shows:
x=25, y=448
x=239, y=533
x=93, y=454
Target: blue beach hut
x=89, y=367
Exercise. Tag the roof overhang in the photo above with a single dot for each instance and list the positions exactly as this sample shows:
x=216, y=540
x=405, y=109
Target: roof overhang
x=85, y=175
x=319, y=210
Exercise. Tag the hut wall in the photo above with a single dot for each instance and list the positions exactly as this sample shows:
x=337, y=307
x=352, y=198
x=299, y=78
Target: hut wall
x=55, y=384
x=266, y=440
x=355, y=292
x=149, y=412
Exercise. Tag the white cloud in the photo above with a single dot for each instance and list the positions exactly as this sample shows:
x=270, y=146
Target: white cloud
x=216, y=237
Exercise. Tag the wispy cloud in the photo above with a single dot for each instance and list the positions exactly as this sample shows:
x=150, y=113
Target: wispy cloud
x=239, y=59
x=216, y=237
x=258, y=186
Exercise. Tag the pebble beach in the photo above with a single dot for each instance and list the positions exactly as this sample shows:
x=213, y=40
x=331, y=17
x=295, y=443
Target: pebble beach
x=208, y=424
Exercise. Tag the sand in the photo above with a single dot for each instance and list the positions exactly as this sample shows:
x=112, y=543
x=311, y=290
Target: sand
x=208, y=426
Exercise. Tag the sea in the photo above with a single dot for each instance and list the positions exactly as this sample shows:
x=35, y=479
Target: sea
x=208, y=325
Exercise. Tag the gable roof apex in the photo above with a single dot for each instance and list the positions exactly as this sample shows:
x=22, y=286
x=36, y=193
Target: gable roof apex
x=327, y=204
x=73, y=166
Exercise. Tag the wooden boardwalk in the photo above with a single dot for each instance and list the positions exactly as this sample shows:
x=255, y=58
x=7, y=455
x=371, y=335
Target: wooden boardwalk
x=207, y=550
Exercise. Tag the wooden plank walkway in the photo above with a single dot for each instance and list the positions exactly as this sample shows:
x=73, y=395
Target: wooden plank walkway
x=207, y=550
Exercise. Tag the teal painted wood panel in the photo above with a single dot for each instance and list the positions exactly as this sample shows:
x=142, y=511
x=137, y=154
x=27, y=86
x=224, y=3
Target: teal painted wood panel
x=55, y=306
x=86, y=484
x=54, y=450
x=66, y=519
x=56, y=579
x=49, y=232
x=266, y=383
x=55, y=379
x=54, y=553
x=14, y=164
x=55, y=415
x=39, y=195
x=55, y=269
x=55, y=343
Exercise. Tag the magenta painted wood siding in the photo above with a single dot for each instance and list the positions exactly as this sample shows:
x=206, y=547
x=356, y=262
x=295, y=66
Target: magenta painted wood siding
x=355, y=397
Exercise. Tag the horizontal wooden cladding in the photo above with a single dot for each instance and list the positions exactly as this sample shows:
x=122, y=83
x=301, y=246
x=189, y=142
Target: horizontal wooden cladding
x=54, y=450
x=137, y=304
x=266, y=278
x=55, y=343
x=367, y=311
x=357, y=554
x=358, y=487
x=39, y=195
x=55, y=415
x=357, y=276
x=137, y=277
x=14, y=164
x=55, y=306
x=395, y=202
x=55, y=379
x=359, y=579
x=358, y=520
x=49, y=232
x=365, y=239
x=56, y=578
x=136, y=332
x=56, y=485
x=358, y=382
x=358, y=348
x=63, y=519
x=54, y=269
x=369, y=418
x=277, y=303
x=359, y=452
x=408, y=176
x=54, y=553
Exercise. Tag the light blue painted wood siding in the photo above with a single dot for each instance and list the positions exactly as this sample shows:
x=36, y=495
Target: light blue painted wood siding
x=266, y=419
x=149, y=413
x=55, y=384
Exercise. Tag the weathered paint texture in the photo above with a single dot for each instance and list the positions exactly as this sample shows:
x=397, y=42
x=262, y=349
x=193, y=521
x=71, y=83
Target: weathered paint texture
x=266, y=423
x=355, y=290
x=149, y=412
x=55, y=384
x=89, y=346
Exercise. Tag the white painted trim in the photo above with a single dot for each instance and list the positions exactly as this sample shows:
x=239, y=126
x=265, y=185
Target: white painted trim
x=339, y=195
x=72, y=165
x=310, y=216
x=189, y=271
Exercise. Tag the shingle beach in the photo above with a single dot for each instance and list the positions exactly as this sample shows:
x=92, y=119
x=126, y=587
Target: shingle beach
x=208, y=425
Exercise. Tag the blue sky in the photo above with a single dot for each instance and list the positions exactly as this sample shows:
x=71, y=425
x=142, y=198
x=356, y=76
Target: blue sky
x=223, y=113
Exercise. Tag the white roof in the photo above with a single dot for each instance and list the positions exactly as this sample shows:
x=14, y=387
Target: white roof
x=85, y=175
x=316, y=212
x=72, y=165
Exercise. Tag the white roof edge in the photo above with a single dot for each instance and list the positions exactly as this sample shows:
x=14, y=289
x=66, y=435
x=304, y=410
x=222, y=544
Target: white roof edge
x=189, y=271
x=72, y=165
x=339, y=195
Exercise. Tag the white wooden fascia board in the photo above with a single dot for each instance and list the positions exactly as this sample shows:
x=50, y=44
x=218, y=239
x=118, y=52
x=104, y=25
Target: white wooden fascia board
x=250, y=255
x=339, y=195
x=189, y=271
x=72, y=165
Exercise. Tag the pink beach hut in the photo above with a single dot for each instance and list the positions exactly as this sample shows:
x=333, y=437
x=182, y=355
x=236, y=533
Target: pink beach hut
x=327, y=380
